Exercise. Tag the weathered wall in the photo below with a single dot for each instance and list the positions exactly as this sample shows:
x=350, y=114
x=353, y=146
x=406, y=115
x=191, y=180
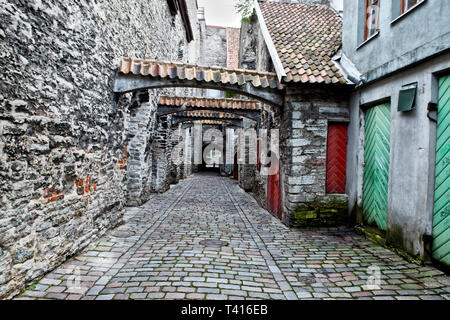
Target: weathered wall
x=402, y=46
x=246, y=153
x=233, y=46
x=303, y=141
x=412, y=154
x=214, y=46
x=253, y=52
x=254, y=55
x=303, y=124
x=63, y=145
x=213, y=52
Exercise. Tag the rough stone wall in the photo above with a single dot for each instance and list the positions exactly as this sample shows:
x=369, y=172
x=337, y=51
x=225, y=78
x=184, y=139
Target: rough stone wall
x=248, y=43
x=214, y=46
x=253, y=52
x=213, y=52
x=303, y=141
x=139, y=161
x=254, y=55
x=63, y=145
x=303, y=125
x=247, y=170
x=259, y=189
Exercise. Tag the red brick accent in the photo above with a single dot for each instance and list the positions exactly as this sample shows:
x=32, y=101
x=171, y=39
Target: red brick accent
x=52, y=195
x=85, y=186
x=122, y=162
x=233, y=38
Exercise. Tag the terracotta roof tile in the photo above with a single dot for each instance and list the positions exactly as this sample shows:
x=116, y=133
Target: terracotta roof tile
x=213, y=103
x=208, y=114
x=306, y=38
x=163, y=69
x=206, y=121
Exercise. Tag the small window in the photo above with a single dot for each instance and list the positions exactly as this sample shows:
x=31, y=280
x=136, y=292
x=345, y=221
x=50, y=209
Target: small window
x=372, y=15
x=400, y=7
x=408, y=4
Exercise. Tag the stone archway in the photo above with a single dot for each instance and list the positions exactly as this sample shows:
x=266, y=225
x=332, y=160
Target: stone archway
x=138, y=74
x=143, y=74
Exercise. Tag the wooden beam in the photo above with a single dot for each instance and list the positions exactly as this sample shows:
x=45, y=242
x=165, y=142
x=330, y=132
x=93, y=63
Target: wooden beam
x=124, y=83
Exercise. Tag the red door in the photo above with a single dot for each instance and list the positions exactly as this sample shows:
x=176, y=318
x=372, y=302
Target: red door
x=336, y=157
x=235, y=167
x=274, y=194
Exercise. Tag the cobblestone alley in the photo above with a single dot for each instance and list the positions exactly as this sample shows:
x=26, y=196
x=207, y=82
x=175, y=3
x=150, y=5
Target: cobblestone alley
x=207, y=239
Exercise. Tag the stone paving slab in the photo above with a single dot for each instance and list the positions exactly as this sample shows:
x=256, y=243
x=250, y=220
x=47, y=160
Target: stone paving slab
x=159, y=254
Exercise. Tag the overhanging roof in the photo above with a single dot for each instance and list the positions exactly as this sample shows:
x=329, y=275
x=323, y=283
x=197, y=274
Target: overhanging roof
x=239, y=107
x=302, y=40
x=139, y=74
x=210, y=103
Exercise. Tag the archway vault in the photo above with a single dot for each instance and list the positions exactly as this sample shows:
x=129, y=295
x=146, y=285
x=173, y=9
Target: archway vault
x=235, y=121
x=175, y=104
x=140, y=74
x=190, y=123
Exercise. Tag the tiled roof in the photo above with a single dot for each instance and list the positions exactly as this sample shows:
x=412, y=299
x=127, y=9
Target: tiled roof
x=306, y=37
x=213, y=103
x=163, y=69
x=208, y=114
x=206, y=121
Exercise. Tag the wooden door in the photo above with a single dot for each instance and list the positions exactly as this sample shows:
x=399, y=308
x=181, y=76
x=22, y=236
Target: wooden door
x=376, y=169
x=336, y=158
x=441, y=216
x=274, y=193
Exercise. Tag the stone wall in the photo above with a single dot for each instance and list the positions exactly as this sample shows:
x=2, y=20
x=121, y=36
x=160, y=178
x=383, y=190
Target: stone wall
x=63, y=144
x=303, y=141
x=254, y=55
x=213, y=46
x=233, y=46
x=303, y=123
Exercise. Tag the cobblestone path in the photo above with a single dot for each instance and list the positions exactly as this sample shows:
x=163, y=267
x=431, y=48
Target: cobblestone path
x=159, y=254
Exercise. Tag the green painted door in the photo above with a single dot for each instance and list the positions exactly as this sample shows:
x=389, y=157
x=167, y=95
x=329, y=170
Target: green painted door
x=441, y=218
x=376, y=167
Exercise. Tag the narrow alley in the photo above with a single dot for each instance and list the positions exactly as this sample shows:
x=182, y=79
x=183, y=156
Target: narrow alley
x=206, y=238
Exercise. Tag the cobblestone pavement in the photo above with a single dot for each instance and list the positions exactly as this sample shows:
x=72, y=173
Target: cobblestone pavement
x=158, y=254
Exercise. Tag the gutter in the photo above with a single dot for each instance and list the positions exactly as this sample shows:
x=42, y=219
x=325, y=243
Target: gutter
x=346, y=66
x=269, y=43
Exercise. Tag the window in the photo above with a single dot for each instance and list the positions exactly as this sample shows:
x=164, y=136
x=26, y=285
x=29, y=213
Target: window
x=408, y=4
x=400, y=7
x=372, y=15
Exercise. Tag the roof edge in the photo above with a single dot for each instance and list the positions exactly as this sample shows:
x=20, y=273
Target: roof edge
x=269, y=43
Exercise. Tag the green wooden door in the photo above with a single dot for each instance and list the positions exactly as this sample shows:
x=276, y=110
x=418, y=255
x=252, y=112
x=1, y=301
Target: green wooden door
x=376, y=168
x=441, y=218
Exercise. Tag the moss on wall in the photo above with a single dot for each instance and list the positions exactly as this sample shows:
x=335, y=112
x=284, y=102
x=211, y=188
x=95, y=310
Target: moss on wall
x=327, y=211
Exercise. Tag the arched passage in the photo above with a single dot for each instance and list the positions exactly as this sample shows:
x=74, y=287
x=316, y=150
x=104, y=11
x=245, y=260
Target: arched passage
x=140, y=75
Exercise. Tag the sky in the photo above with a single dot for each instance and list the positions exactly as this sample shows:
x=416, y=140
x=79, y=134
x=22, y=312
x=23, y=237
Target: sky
x=220, y=13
